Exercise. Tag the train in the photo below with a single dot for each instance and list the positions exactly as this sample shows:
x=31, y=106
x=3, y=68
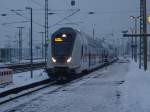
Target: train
x=71, y=52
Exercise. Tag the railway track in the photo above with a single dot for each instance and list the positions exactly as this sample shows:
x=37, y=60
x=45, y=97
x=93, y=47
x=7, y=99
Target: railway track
x=23, y=67
x=27, y=90
x=18, y=92
x=31, y=88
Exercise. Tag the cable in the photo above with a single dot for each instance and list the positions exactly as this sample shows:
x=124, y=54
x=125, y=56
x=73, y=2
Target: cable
x=64, y=18
x=14, y=22
x=26, y=18
x=37, y=3
x=66, y=2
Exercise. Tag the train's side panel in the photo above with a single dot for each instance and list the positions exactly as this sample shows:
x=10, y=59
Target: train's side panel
x=93, y=54
x=84, y=53
x=75, y=63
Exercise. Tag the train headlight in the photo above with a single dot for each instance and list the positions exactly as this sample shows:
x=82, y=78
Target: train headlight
x=64, y=35
x=69, y=60
x=53, y=59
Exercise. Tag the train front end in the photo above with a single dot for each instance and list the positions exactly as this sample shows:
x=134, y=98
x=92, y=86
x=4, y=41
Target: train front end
x=60, y=60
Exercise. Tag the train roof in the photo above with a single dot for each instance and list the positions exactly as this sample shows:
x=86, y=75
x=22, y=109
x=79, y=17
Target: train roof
x=88, y=39
x=67, y=30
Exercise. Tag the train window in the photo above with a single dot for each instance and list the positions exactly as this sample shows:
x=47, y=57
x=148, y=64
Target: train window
x=62, y=42
x=63, y=49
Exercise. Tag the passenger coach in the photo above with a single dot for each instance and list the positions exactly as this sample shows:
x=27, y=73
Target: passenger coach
x=71, y=52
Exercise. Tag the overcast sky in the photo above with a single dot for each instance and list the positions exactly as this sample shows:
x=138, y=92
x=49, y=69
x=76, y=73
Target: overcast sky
x=110, y=16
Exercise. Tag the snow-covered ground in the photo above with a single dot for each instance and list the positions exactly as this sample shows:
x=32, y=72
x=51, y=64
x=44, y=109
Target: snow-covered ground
x=20, y=79
x=22, y=61
x=96, y=92
x=136, y=90
x=121, y=87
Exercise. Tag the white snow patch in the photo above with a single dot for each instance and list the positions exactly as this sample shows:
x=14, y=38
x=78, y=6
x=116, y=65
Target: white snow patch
x=21, y=79
x=136, y=90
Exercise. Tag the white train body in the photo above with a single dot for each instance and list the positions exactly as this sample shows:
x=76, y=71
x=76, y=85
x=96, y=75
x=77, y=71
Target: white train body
x=71, y=51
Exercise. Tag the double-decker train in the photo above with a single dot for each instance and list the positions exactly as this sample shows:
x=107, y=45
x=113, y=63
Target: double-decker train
x=71, y=51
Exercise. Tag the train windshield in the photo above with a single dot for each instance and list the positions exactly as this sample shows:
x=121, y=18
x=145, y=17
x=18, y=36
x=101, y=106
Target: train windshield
x=62, y=45
x=62, y=49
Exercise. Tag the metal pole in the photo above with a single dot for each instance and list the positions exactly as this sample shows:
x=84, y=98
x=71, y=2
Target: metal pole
x=31, y=46
x=46, y=27
x=132, y=46
x=145, y=38
x=31, y=41
x=42, y=45
x=143, y=30
x=136, y=40
x=19, y=47
x=94, y=31
x=20, y=43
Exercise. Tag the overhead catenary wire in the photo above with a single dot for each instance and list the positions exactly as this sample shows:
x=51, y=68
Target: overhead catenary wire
x=14, y=22
x=37, y=3
x=64, y=18
x=17, y=13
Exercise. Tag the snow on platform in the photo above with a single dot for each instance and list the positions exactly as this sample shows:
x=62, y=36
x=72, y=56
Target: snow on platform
x=136, y=90
x=21, y=79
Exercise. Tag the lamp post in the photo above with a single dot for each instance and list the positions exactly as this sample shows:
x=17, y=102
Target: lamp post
x=31, y=41
x=135, y=43
x=46, y=28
